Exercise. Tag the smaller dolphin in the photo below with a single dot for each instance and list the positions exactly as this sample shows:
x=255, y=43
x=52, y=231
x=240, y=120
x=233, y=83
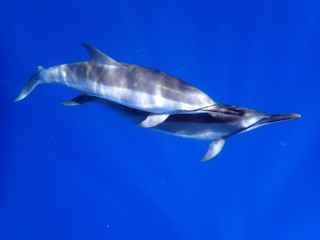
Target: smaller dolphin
x=131, y=85
x=201, y=126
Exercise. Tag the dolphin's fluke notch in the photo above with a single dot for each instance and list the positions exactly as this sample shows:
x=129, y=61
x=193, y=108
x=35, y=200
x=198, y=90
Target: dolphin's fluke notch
x=31, y=84
x=214, y=149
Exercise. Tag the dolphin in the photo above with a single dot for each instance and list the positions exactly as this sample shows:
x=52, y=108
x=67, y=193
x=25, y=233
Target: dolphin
x=215, y=127
x=131, y=85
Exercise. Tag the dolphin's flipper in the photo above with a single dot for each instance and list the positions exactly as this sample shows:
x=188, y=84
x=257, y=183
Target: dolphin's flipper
x=153, y=120
x=214, y=149
x=81, y=99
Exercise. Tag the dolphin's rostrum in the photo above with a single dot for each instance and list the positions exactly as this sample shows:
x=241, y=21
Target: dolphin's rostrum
x=153, y=99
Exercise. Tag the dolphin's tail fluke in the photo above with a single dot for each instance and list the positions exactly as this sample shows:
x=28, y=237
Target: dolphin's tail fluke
x=31, y=84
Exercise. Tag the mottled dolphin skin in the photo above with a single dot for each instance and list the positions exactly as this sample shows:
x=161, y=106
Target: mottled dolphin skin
x=201, y=126
x=131, y=85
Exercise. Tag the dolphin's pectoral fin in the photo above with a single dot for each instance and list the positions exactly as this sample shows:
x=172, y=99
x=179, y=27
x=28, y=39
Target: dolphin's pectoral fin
x=153, y=120
x=81, y=99
x=214, y=149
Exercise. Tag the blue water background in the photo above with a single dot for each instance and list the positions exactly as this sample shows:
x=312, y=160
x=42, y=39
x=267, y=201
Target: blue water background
x=86, y=173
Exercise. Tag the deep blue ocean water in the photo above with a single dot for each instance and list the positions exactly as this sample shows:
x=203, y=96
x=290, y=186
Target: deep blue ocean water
x=86, y=173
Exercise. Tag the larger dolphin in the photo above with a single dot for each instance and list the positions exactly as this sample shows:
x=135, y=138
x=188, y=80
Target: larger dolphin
x=131, y=85
x=201, y=126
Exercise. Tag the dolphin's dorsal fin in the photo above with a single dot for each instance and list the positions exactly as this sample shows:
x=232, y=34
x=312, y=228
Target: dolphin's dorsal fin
x=99, y=57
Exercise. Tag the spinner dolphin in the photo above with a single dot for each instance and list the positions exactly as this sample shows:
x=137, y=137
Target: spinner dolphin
x=152, y=99
x=131, y=85
x=201, y=126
